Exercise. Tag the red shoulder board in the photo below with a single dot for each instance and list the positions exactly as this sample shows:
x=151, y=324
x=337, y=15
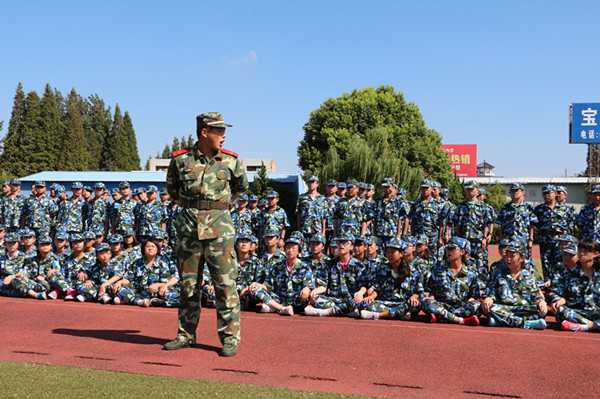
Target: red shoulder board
x=182, y=151
x=228, y=152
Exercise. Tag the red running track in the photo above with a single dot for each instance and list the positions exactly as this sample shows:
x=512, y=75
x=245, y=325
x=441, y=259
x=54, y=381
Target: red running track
x=365, y=357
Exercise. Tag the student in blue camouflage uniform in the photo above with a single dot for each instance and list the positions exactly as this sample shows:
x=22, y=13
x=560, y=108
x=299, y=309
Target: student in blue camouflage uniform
x=39, y=210
x=471, y=222
x=568, y=261
x=43, y=264
x=254, y=215
x=385, y=214
x=73, y=212
x=288, y=284
x=122, y=212
x=451, y=291
x=27, y=242
x=311, y=210
x=557, y=253
x=273, y=217
x=576, y=302
x=561, y=198
x=491, y=216
x=337, y=283
x=74, y=264
x=516, y=219
x=396, y=288
x=61, y=244
x=173, y=211
x=588, y=220
x=150, y=281
x=130, y=245
x=349, y=212
x=242, y=216
x=98, y=210
x=13, y=275
x=99, y=277
x=341, y=189
x=424, y=260
x=272, y=254
x=331, y=200
x=446, y=218
x=249, y=271
x=150, y=216
x=316, y=256
x=368, y=209
x=512, y=297
x=12, y=207
x=424, y=216
x=553, y=221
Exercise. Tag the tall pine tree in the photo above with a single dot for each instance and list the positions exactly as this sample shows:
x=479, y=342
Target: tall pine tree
x=132, y=155
x=74, y=144
x=10, y=150
x=97, y=130
x=49, y=137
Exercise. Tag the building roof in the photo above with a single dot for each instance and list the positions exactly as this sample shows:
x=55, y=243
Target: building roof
x=484, y=164
x=137, y=176
x=529, y=180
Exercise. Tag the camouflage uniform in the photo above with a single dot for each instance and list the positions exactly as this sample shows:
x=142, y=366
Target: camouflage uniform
x=349, y=215
x=552, y=222
x=274, y=219
x=451, y=293
x=10, y=266
x=206, y=235
x=40, y=267
x=588, y=221
x=172, y=211
x=150, y=217
x=141, y=277
x=71, y=267
x=12, y=212
x=330, y=206
x=425, y=216
x=385, y=215
x=312, y=212
x=393, y=296
x=72, y=215
x=470, y=220
x=98, y=214
x=516, y=220
x=515, y=300
x=340, y=283
x=284, y=287
x=242, y=221
x=99, y=274
x=122, y=214
x=269, y=262
x=251, y=271
x=38, y=213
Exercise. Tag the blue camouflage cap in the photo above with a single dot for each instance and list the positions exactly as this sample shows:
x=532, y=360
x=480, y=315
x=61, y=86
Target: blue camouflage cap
x=471, y=184
x=6, y=182
x=44, y=239
x=409, y=240
x=254, y=240
x=253, y=198
x=373, y=240
x=124, y=185
x=421, y=239
x=15, y=182
x=595, y=188
x=99, y=233
x=40, y=183
x=561, y=189
x=244, y=234
x=12, y=237
x=115, y=239
x=468, y=247
x=436, y=184
x=128, y=232
x=548, y=187
x=152, y=189
x=341, y=184
x=362, y=185
x=482, y=191
x=294, y=240
x=425, y=183
x=370, y=187
x=333, y=244
x=345, y=237
x=100, y=185
x=332, y=182
x=262, y=202
x=89, y=235
x=387, y=182
x=298, y=234
x=59, y=190
x=444, y=193
x=272, y=194
x=102, y=247
x=570, y=249
x=26, y=233
x=458, y=242
x=88, y=188
x=566, y=237
x=518, y=247
x=160, y=234
x=61, y=235
x=272, y=233
x=360, y=238
x=312, y=178
x=397, y=243
x=505, y=242
x=76, y=237
x=76, y=185
x=163, y=191
x=352, y=183
x=517, y=186
x=318, y=237
x=244, y=197
x=114, y=191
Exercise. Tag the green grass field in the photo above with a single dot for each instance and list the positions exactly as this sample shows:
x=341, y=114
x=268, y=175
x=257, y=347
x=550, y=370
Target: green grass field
x=43, y=381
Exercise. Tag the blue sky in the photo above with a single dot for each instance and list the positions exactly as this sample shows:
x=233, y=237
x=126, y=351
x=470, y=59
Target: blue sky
x=497, y=74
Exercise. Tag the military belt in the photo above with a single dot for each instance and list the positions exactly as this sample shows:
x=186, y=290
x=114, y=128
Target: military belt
x=203, y=205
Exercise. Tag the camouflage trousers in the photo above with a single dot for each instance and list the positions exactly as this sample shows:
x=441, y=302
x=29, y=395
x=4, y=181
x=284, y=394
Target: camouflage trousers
x=219, y=255
x=338, y=305
x=130, y=295
x=447, y=311
x=513, y=316
x=479, y=256
x=23, y=285
x=579, y=316
x=398, y=310
x=57, y=281
x=266, y=296
x=547, y=245
x=92, y=292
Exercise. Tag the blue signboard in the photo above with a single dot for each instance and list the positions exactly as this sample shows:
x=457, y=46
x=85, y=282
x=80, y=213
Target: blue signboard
x=584, y=126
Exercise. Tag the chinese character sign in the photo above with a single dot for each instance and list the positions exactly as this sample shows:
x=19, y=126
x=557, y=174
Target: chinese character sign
x=463, y=158
x=584, y=123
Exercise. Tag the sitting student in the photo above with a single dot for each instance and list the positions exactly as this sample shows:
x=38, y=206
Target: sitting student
x=249, y=270
x=61, y=247
x=576, y=301
x=273, y=255
x=131, y=246
x=288, y=284
x=43, y=265
x=15, y=281
x=337, y=283
x=395, y=287
x=100, y=277
x=424, y=259
x=28, y=242
x=569, y=261
x=333, y=249
x=451, y=290
x=150, y=281
x=317, y=258
x=512, y=297
x=89, y=241
x=73, y=266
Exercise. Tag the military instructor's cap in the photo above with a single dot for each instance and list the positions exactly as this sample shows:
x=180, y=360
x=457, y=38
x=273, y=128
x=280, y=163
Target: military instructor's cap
x=425, y=183
x=272, y=194
x=124, y=185
x=76, y=184
x=548, y=187
x=44, y=239
x=471, y=184
x=517, y=186
x=12, y=237
x=332, y=182
x=102, y=247
x=312, y=178
x=211, y=119
x=15, y=182
x=595, y=188
x=396, y=243
x=100, y=185
x=387, y=182
x=40, y=183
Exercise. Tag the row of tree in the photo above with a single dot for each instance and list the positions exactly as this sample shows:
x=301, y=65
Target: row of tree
x=70, y=133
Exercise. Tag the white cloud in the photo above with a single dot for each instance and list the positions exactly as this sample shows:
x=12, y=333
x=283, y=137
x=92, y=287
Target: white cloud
x=247, y=59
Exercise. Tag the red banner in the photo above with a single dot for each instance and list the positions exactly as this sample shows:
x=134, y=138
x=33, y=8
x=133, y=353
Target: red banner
x=463, y=158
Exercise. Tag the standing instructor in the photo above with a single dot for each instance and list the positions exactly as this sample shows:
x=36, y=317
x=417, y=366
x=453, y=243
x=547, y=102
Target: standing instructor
x=204, y=180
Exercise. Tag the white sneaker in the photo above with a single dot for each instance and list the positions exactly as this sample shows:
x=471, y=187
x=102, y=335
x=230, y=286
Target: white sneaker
x=266, y=309
x=105, y=298
x=312, y=311
x=287, y=311
x=80, y=298
x=365, y=314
